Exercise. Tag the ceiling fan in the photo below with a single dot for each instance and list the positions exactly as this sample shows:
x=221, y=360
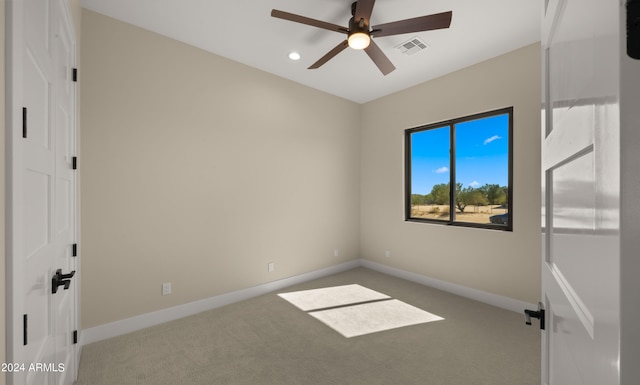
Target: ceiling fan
x=360, y=33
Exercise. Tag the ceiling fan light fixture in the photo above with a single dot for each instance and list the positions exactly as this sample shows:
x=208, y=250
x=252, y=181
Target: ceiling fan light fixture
x=359, y=40
x=294, y=56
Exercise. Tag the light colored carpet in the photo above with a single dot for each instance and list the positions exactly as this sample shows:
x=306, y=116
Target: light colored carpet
x=350, y=310
x=358, y=320
x=331, y=297
x=267, y=341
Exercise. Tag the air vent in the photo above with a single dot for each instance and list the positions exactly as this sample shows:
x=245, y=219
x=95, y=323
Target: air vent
x=412, y=46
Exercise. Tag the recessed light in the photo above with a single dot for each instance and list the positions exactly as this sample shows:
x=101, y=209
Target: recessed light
x=294, y=56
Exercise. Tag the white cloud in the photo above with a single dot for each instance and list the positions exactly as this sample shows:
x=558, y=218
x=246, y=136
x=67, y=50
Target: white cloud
x=474, y=184
x=441, y=170
x=491, y=139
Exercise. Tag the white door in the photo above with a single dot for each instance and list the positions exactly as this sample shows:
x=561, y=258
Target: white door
x=43, y=192
x=581, y=190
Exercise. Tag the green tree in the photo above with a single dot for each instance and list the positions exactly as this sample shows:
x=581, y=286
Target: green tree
x=461, y=197
x=495, y=194
x=440, y=194
x=469, y=196
x=418, y=199
x=428, y=199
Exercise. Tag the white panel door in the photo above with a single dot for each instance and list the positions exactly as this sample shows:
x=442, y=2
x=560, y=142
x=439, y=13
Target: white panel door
x=581, y=190
x=64, y=227
x=43, y=192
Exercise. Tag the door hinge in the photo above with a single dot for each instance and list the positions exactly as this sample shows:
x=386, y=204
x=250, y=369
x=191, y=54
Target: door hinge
x=75, y=336
x=75, y=74
x=74, y=163
x=24, y=122
x=25, y=340
x=74, y=250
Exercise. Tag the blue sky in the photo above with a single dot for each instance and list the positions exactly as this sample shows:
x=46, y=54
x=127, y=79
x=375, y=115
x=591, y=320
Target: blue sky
x=482, y=154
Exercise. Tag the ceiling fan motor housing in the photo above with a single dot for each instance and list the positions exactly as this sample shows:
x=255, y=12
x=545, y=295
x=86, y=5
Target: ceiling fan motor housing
x=361, y=26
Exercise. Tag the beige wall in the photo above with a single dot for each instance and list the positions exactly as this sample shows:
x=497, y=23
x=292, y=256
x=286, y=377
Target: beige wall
x=3, y=329
x=199, y=171
x=503, y=263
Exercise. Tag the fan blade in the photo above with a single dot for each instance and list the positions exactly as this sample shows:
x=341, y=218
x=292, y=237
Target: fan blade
x=336, y=50
x=418, y=24
x=364, y=8
x=308, y=21
x=379, y=58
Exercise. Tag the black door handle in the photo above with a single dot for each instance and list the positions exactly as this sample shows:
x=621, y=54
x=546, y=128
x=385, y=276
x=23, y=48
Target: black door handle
x=535, y=314
x=60, y=279
x=65, y=276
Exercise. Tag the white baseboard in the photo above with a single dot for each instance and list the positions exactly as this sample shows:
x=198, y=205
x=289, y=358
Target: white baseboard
x=132, y=324
x=463, y=291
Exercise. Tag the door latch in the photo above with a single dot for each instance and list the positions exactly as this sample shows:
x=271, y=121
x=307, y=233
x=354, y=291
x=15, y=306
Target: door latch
x=60, y=279
x=539, y=314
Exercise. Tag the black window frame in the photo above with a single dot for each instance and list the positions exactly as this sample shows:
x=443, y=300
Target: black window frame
x=452, y=178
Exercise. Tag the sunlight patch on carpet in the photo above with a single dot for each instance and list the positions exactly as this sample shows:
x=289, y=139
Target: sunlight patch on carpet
x=331, y=297
x=354, y=310
x=357, y=320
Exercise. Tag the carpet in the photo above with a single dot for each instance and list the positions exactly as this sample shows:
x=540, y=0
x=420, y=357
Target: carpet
x=357, y=320
x=328, y=297
x=266, y=340
x=354, y=310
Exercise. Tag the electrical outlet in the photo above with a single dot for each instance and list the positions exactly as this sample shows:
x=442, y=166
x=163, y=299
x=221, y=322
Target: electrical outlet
x=387, y=253
x=166, y=288
x=336, y=253
x=271, y=267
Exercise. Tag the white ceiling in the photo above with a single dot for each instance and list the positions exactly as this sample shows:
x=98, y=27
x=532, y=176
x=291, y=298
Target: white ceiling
x=244, y=31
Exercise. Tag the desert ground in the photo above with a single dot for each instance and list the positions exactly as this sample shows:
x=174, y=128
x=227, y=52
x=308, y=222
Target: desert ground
x=474, y=214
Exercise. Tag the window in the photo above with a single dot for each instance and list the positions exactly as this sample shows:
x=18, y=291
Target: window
x=474, y=154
